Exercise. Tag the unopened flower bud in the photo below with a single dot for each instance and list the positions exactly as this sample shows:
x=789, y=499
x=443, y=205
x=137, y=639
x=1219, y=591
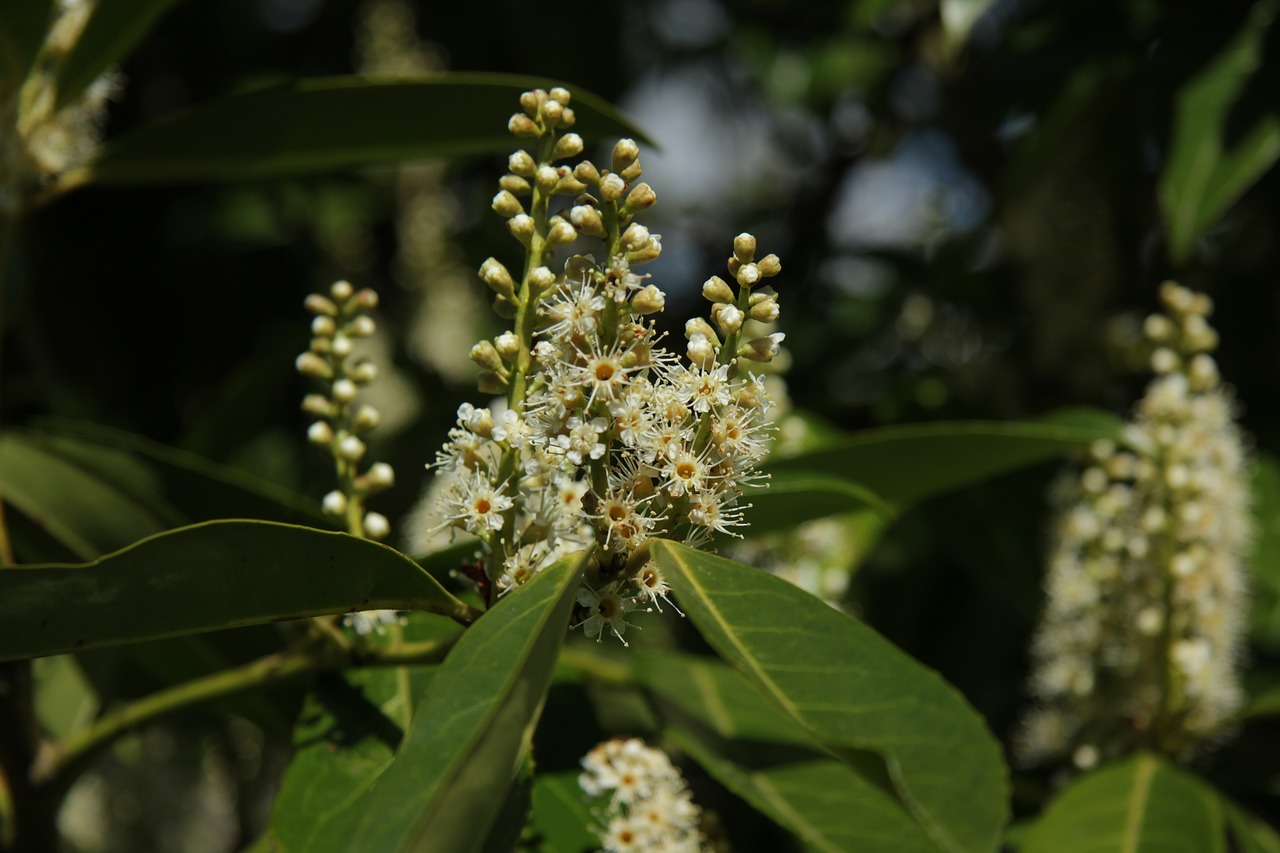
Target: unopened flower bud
x=636, y=237
x=569, y=185
x=612, y=187
x=546, y=178
x=747, y=275
x=322, y=346
x=522, y=163
x=1164, y=360
x=531, y=101
x=380, y=475
x=310, y=364
x=317, y=405
x=320, y=433
x=715, y=289
x=650, y=251
x=341, y=346
x=508, y=345
x=1202, y=372
x=334, y=503
x=551, y=113
x=568, y=118
x=625, y=152
x=351, y=448
x=701, y=352
x=376, y=525
x=650, y=300
x=587, y=220
x=366, y=418
x=569, y=145
x=560, y=95
x=486, y=355
x=769, y=265
x=341, y=291
x=632, y=172
x=764, y=311
x=1157, y=328
x=521, y=227
x=1178, y=299
x=587, y=173
x=506, y=204
x=361, y=327
x=494, y=274
x=491, y=383
x=522, y=125
x=542, y=278
x=641, y=197
x=728, y=317
x=560, y=233
x=514, y=184
x=762, y=349
x=365, y=299
x=699, y=326
x=323, y=326
x=319, y=304
x=363, y=372
x=344, y=390
x=504, y=307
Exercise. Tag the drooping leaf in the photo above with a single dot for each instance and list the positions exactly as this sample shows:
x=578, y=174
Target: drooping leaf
x=1201, y=177
x=113, y=30
x=1140, y=805
x=467, y=742
x=219, y=574
x=86, y=514
x=290, y=129
x=761, y=755
x=903, y=465
x=25, y=25
x=561, y=819
x=853, y=691
x=195, y=487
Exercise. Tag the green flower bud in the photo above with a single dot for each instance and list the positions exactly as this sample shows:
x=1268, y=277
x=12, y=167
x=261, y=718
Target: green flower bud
x=515, y=185
x=560, y=95
x=612, y=187
x=531, y=102
x=587, y=172
x=522, y=125
x=310, y=364
x=632, y=172
x=491, y=383
x=496, y=276
x=569, y=145
x=341, y=291
x=587, y=220
x=641, y=197
x=625, y=152
x=560, y=233
x=365, y=299
x=650, y=300
x=486, y=355
x=522, y=163
x=323, y=326
x=716, y=289
x=507, y=205
x=744, y=247
x=546, y=178
x=522, y=228
x=318, y=304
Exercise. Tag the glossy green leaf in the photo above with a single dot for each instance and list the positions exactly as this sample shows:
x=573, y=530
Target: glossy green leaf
x=158, y=475
x=86, y=514
x=290, y=129
x=906, y=464
x=561, y=818
x=1140, y=805
x=1264, y=563
x=219, y=574
x=1201, y=177
x=446, y=785
x=794, y=497
x=760, y=754
x=852, y=690
x=65, y=701
x=1250, y=834
x=25, y=25
x=114, y=29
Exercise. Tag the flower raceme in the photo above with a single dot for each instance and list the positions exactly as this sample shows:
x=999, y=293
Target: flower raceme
x=604, y=438
x=649, y=806
x=1143, y=620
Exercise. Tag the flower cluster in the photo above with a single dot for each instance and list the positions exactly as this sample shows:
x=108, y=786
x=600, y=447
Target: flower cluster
x=605, y=439
x=649, y=806
x=43, y=134
x=1145, y=591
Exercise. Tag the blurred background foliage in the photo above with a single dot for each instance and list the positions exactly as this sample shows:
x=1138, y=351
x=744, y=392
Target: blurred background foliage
x=974, y=200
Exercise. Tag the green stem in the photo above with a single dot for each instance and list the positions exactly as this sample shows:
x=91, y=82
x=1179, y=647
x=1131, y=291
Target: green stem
x=65, y=758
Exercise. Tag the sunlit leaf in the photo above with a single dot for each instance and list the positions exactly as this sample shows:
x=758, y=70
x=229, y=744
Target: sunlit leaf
x=761, y=755
x=1201, y=177
x=114, y=29
x=219, y=574
x=852, y=690
x=1140, y=805
x=290, y=129
x=446, y=785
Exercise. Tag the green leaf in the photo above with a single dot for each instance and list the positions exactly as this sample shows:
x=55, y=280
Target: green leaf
x=1140, y=805
x=1202, y=179
x=219, y=574
x=1264, y=564
x=87, y=515
x=761, y=755
x=852, y=690
x=25, y=24
x=467, y=742
x=903, y=465
x=1251, y=835
x=794, y=497
x=290, y=129
x=561, y=818
x=114, y=29
x=159, y=475
x=65, y=701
